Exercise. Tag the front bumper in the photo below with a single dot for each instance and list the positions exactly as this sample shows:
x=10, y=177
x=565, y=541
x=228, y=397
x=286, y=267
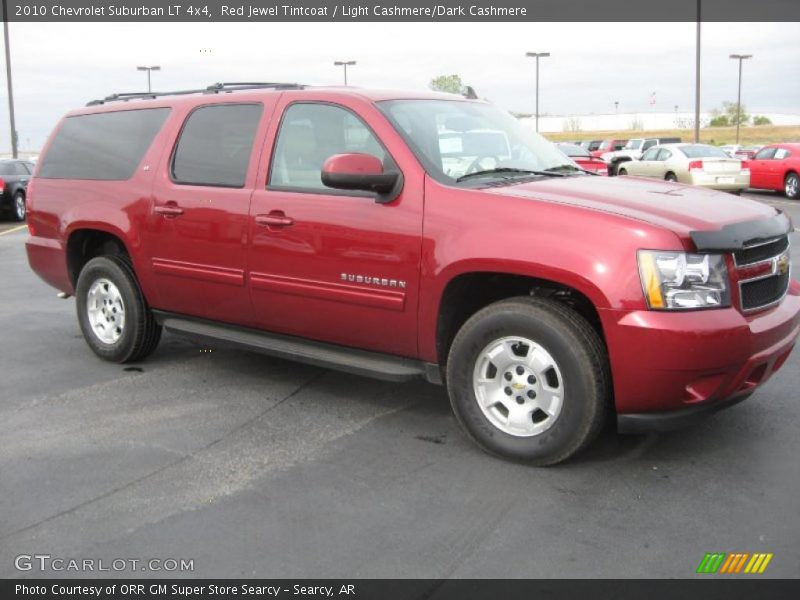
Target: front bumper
x=671, y=368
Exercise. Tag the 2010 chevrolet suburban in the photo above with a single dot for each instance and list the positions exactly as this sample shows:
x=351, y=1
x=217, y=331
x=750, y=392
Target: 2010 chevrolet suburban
x=405, y=235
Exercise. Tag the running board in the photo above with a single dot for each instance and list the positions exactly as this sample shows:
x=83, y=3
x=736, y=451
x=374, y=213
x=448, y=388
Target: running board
x=341, y=358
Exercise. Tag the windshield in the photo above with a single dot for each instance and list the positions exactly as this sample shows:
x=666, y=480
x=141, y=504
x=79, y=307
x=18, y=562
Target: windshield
x=455, y=138
x=702, y=151
x=633, y=144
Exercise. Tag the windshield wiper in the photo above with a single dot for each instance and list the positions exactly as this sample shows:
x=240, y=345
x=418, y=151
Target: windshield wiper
x=508, y=170
x=559, y=168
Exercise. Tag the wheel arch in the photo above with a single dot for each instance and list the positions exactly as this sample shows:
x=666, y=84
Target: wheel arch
x=468, y=291
x=87, y=242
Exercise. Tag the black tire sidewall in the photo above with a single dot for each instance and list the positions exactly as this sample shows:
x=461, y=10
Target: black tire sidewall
x=115, y=271
x=14, y=206
x=579, y=401
x=785, y=185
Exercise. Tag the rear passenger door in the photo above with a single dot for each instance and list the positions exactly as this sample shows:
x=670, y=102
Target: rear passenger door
x=200, y=205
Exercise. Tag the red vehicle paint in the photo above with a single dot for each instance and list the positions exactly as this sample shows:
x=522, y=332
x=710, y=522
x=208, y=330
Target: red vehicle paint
x=608, y=146
x=777, y=167
x=584, y=159
x=398, y=274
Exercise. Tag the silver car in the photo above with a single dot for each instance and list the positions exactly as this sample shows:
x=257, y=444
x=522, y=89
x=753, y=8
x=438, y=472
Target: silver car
x=695, y=164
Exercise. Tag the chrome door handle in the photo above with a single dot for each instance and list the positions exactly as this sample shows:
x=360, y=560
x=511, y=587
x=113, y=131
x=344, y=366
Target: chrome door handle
x=169, y=210
x=274, y=219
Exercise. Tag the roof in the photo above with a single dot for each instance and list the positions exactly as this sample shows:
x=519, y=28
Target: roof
x=249, y=92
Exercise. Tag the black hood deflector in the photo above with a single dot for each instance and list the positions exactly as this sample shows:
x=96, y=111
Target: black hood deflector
x=737, y=236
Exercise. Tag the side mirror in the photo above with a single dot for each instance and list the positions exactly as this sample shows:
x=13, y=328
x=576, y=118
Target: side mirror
x=362, y=172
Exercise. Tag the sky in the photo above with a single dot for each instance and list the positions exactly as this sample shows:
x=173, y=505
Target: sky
x=59, y=66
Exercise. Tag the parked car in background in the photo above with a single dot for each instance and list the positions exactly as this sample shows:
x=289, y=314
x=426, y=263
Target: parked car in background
x=738, y=151
x=583, y=158
x=777, y=167
x=633, y=150
x=14, y=176
x=609, y=146
x=695, y=164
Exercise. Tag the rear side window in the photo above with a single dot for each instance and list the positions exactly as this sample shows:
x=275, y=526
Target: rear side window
x=215, y=145
x=782, y=153
x=765, y=154
x=104, y=146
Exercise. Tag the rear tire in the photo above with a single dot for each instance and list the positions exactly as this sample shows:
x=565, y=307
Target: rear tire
x=671, y=177
x=114, y=317
x=791, y=186
x=553, y=363
x=19, y=209
x=622, y=172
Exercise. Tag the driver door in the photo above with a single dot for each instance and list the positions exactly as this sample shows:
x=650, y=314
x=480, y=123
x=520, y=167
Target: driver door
x=328, y=264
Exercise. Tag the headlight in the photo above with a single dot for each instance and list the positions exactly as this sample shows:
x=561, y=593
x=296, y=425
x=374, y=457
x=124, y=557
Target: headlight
x=681, y=281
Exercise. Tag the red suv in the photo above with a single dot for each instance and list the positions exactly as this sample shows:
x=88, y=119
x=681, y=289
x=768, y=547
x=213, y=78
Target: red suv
x=413, y=235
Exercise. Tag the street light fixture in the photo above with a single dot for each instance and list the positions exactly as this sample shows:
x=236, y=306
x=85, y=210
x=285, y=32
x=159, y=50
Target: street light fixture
x=537, y=56
x=148, y=69
x=741, y=58
x=345, y=64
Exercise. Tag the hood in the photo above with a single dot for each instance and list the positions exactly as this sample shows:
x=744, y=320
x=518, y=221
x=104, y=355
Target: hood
x=680, y=208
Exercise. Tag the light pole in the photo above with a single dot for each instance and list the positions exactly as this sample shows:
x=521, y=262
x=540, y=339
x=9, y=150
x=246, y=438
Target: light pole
x=10, y=87
x=741, y=58
x=616, y=107
x=148, y=69
x=697, y=77
x=345, y=64
x=537, y=56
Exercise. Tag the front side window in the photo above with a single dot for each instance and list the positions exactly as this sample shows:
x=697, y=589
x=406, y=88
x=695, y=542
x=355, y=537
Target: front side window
x=215, y=145
x=312, y=133
x=102, y=146
x=650, y=154
x=454, y=139
x=765, y=154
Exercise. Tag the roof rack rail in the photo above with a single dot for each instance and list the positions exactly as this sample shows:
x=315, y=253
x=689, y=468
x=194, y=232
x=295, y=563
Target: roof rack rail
x=214, y=88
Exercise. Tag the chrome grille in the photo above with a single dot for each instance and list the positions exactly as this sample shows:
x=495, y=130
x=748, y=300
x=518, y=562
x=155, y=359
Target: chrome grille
x=774, y=260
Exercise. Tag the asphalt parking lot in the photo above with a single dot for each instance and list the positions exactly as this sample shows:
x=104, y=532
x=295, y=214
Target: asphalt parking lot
x=253, y=466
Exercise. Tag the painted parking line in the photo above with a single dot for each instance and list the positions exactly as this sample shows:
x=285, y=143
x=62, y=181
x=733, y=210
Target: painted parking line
x=13, y=229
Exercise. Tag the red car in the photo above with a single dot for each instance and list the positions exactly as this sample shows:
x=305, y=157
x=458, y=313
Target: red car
x=413, y=235
x=584, y=158
x=777, y=167
x=608, y=146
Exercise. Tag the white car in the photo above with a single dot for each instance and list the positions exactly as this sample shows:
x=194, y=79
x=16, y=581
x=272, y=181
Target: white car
x=695, y=164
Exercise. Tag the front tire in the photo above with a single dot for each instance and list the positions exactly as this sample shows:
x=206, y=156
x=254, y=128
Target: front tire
x=621, y=172
x=19, y=209
x=115, y=320
x=792, y=186
x=555, y=367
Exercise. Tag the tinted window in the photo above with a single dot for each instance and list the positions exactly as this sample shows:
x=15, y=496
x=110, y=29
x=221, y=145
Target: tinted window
x=215, y=145
x=106, y=146
x=574, y=151
x=650, y=154
x=765, y=154
x=6, y=168
x=703, y=151
x=19, y=169
x=312, y=133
